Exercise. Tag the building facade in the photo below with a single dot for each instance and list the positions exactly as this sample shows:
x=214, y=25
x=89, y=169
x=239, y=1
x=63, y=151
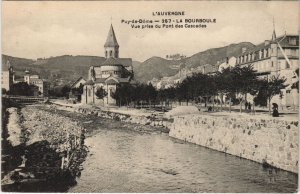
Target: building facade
x=43, y=85
x=107, y=76
x=276, y=57
x=7, y=76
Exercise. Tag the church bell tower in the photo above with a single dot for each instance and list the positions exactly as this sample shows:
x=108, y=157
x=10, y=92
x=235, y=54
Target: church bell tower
x=111, y=45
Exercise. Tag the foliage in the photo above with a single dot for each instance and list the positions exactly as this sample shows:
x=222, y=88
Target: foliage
x=272, y=87
x=100, y=93
x=23, y=89
x=139, y=93
x=60, y=91
x=234, y=83
x=78, y=90
x=3, y=91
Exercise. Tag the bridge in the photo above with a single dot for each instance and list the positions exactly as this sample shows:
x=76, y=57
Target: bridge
x=25, y=99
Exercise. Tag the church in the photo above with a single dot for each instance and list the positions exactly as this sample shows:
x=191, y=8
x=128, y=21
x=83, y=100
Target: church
x=104, y=78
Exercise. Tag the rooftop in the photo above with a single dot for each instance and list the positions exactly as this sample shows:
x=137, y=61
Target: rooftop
x=111, y=40
x=282, y=40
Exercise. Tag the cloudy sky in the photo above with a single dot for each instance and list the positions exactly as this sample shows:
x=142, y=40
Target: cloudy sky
x=43, y=29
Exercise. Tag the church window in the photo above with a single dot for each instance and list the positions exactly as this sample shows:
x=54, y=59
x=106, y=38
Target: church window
x=110, y=53
x=117, y=54
x=272, y=64
x=89, y=92
x=106, y=54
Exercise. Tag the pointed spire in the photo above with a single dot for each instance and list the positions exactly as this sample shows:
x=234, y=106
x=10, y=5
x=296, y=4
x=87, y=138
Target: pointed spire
x=111, y=40
x=274, y=33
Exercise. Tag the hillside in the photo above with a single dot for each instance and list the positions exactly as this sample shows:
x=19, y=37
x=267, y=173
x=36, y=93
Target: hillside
x=154, y=67
x=15, y=61
x=67, y=68
x=157, y=67
x=64, y=68
x=212, y=56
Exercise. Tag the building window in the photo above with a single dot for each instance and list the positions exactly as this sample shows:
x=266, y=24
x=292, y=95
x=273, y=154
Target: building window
x=110, y=53
x=106, y=54
x=292, y=41
x=288, y=91
x=89, y=92
x=272, y=64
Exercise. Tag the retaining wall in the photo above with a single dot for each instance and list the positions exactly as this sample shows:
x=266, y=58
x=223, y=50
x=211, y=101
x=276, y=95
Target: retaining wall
x=271, y=141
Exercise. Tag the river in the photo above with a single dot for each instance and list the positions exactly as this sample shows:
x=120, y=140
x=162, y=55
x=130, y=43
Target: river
x=122, y=160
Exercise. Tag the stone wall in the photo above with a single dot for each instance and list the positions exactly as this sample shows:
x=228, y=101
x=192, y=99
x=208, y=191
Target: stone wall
x=268, y=141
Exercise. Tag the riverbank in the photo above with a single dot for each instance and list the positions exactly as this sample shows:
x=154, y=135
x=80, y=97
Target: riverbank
x=269, y=141
x=260, y=137
x=138, y=158
x=48, y=149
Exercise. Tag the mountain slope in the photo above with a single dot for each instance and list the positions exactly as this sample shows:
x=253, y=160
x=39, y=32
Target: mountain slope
x=154, y=67
x=212, y=56
x=68, y=68
x=157, y=67
x=65, y=68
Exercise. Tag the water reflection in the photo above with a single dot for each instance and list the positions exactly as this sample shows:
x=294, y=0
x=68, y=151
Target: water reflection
x=126, y=161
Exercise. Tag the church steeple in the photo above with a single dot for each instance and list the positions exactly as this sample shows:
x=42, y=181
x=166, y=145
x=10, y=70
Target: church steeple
x=111, y=45
x=274, y=33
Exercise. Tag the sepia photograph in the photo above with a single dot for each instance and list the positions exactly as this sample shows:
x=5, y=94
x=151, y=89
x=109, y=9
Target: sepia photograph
x=150, y=96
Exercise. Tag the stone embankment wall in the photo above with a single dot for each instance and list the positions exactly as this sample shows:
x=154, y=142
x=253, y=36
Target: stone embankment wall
x=268, y=141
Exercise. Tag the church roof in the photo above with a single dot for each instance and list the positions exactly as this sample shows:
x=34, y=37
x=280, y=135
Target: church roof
x=109, y=80
x=126, y=62
x=100, y=80
x=111, y=62
x=111, y=40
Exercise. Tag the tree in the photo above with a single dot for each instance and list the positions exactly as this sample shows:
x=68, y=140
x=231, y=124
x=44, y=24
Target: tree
x=3, y=91
x=23, y=89
x=65, y=91
x=225, y=83
x=78, y=90
x=245, y=79
x=100, y=93
x=273, y=87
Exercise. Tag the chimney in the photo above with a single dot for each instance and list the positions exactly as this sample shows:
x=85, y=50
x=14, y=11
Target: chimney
x=267, y=42
x=244, y=49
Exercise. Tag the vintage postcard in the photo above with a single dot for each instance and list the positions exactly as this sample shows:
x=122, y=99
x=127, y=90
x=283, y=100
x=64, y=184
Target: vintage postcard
x=150, y=96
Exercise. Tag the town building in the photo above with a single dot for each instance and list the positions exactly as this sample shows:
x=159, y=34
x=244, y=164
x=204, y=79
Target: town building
x=276, y=57
x=80, y=81
x=107, y=76
x=7, y=76
x=226, y=63
x=75, y=93
x=43, y=85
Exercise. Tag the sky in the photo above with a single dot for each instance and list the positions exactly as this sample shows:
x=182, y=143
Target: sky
x=53, y=28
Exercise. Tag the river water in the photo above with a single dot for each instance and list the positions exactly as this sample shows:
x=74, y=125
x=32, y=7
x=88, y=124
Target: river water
x=122, y=160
